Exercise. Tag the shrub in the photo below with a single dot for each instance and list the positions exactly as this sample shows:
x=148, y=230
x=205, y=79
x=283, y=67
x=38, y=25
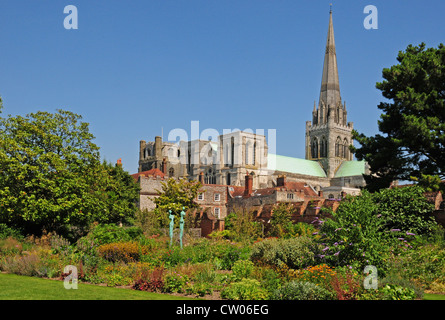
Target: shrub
x=268, y=277
x=153, y=282
x=6, y=232
x=394, y=292
x=347, y=285
x=242, y=269
x=301, y=290
x=111, y=233
x=116, y=279
x=320, y=274
x=10, y=246
x=354, y=235
x=406, y=209
x=246, y=289
x=122, y=251
x=175, y=282
x=27, y=265
x=295, y=253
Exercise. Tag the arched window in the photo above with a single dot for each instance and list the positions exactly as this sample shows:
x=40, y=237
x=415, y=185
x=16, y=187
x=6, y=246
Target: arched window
x=315, y=148
x=232, y=151
x=254, y=153
x=247, y=153
x=209, y=177
x=324, y=148
x=171, y=172
x=345, y=149
x=228, y=179
x=338, y=147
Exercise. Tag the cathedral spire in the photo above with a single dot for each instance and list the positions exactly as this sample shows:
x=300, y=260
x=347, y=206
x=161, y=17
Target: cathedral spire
x=330, y=86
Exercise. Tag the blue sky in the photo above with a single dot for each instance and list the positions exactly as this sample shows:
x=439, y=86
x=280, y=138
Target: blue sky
x=135, y=67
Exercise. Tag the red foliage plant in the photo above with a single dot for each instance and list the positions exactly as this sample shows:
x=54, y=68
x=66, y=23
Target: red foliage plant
x=345, y=287
x=154, y=282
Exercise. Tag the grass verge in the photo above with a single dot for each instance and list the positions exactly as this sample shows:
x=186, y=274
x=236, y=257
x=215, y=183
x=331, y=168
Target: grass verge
x=15, y=287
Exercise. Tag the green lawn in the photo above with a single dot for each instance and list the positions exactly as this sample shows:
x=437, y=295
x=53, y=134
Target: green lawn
x=430, y=296
x=14, y=287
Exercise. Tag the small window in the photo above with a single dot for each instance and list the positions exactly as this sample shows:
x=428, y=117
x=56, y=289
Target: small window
x=217, y=197
x=216, y=211
x=290, y=195
x=201, y=197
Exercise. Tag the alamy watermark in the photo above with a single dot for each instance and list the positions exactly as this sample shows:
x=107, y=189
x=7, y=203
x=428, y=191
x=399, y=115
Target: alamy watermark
x=71, y=21
x=71, y=278
x=210, y=147
x=371, y=20
x=371, y=280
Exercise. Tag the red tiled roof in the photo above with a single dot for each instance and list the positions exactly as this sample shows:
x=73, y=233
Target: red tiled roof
x=149, y=173
x=289, y=185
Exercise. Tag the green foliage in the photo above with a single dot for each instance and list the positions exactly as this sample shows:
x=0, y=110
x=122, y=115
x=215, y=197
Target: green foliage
x=295, y=253
x=148, y=221
x=412, y=123
x=365, y=228
x=242, y=226
x=281, y=222
x=394, y=292
x=297, y=290
x=246, y=289
x=175, y=282
x=354, y=236
x=121, y=251
x=176, y=195
x=406, y=209
x=109, y=233
x=51, y=177
x=270, y=280
x=6, y=232
x=425, y=264
x=242, y=269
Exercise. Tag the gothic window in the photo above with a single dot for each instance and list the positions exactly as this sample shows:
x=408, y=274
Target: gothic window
x=338, y=147
x=315, y=148
x=247, y=148
x=228, y=179
x=171, y=172
x=345, y=149
x=324, y=148
x=254, y=153
x=226, y=155
x=232, y=151
x=189, y=161
x=209, y=177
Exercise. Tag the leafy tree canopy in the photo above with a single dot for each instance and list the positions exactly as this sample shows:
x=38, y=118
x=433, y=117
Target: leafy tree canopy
x=412, y=125
x=51, y=177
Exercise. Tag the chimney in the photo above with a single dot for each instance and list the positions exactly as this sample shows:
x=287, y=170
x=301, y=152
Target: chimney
x=164, y=166
x=119, y=162
x=281, y=181
x=201, y=177
x=248, y=187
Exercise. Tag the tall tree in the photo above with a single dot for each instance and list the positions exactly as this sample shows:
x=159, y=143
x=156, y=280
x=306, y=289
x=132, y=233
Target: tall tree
x=412, y=125
x=51, y=176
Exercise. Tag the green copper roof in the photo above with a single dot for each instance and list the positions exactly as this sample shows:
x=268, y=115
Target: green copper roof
x=294, y=165
x=351, y=168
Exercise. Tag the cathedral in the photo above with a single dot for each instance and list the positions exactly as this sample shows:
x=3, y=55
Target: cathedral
x=328, y=168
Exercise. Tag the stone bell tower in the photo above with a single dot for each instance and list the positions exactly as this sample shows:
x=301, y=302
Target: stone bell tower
x=329, y=135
